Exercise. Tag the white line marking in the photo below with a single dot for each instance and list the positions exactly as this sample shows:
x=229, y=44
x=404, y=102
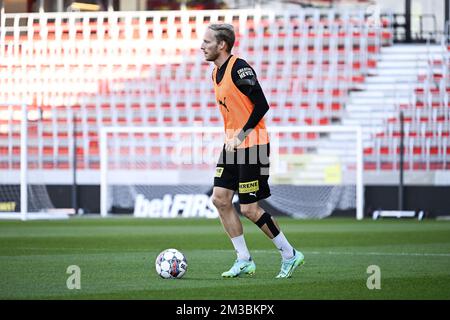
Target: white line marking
x=424, y=254
x=369, y=253
x=383, y=254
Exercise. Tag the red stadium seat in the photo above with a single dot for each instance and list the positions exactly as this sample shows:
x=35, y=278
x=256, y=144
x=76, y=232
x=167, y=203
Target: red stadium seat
x=121, y=85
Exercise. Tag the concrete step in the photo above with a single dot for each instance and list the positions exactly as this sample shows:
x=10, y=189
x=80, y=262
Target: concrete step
x=391, y=80
x=386, y=86
x=338, y=148
x=370, y=114
x=379, y=100
x=400, y=57
x=369, y=122
x=343, y=136
x=414, y=64
x=393, y=92
x=393, y=72
x=412, y=48
x=351, y=107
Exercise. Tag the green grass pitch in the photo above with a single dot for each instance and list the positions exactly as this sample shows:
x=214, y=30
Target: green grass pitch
x=116, y=258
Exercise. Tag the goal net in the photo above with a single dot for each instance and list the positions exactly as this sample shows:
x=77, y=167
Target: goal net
x=23, y=193
x=169, y=171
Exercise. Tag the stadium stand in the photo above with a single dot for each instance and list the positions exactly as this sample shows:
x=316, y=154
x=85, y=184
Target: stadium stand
x=124, y=80
x=144, y=69
x=422, y=96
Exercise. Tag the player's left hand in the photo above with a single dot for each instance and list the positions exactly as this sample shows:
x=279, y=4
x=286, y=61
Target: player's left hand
x=231, y=145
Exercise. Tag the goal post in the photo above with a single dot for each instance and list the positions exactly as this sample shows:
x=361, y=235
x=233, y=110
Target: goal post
x=23, y=193
x=23, y=163
x=316, y=168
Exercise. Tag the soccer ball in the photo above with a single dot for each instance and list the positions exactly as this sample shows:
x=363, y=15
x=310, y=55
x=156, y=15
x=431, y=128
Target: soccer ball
x=171, y=264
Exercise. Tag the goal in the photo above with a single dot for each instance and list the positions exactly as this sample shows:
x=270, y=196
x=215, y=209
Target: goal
x=169, y=171
x=23, y=193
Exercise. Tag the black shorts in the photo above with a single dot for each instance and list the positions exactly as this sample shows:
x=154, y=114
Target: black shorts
x=245, y=171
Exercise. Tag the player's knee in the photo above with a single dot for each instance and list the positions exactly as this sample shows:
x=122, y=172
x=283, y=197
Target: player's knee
x=221, y=202
x=250, y=212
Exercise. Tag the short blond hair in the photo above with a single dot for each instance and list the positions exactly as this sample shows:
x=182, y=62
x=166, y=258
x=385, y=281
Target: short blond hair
x=224, y=32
